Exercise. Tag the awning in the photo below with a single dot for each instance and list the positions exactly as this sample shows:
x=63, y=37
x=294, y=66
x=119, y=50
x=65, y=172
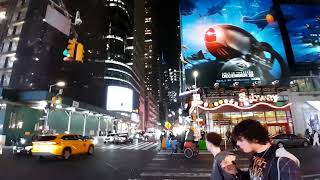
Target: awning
x=262, y=106
x=314, y=104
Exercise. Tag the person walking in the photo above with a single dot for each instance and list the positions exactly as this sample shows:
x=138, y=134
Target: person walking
x=315, y=138
x=269, y=162
x=213, y=142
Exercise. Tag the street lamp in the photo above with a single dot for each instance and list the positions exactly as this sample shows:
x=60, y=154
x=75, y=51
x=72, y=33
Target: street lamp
x=60, y=84
x=195, y=75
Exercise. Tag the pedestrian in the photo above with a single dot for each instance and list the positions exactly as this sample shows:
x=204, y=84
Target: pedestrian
x=213, y=142
x=197, y=137
x=161, y=139
x=189, y=135
x=268, y=162
x=307, y=134
x=315, y=138
x=173, y=143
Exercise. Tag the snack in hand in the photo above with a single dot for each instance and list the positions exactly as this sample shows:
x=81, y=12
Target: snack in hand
x=228, y=160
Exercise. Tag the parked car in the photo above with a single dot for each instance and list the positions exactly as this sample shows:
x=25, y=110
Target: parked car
x=123, y=138
x=110, y=138
x=286, y=140
x=63, y=145
x=23, y=146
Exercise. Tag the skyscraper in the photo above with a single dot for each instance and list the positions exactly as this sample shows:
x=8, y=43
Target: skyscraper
x=151, y=58
x=30, y=54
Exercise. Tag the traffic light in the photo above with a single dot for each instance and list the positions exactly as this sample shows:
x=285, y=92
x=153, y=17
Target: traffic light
x=71, y=48
x=79, y=53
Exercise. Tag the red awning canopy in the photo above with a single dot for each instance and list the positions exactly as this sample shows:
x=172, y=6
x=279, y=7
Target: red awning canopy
x=262, y=106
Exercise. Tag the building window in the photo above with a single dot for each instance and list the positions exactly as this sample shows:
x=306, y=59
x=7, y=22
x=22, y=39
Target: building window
x=18, y=16
x=14, y=30
x=6, y=62
x=13, y=120
x=10, y=46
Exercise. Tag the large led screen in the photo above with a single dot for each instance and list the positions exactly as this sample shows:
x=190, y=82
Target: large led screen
x=303, y=26
x=119, y=99
x=231, y=42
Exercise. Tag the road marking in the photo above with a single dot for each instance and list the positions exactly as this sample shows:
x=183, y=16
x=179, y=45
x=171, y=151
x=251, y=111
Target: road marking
x=156, y=144
x=182, y=153
x=181, y=169
x=143, y=146
x=132, y=146
x=310, y=175
x=175, y=174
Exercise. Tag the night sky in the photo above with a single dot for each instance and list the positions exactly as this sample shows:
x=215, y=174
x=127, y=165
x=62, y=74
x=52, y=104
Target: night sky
x=166, y=19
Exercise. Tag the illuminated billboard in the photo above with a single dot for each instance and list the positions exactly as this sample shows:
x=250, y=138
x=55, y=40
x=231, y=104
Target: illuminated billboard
x=303, y=26
x=231, y=42
x=119, y=99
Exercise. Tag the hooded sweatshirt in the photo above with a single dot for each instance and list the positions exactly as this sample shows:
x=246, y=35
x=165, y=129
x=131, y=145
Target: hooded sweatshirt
x=273, y=164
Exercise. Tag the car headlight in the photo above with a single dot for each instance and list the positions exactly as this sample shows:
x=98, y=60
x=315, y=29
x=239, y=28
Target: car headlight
x=95, y=141
x=14, y=147
x=28, y=148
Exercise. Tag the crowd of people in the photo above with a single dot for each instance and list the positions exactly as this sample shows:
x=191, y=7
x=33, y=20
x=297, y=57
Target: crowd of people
x=177, y=141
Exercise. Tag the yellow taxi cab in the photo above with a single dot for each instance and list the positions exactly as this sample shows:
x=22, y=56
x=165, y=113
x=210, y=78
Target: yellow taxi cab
x=63, y=145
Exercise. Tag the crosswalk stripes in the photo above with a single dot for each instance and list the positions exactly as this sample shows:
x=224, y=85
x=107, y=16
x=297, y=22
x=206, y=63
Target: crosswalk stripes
x=135, y=146
x=164, y=166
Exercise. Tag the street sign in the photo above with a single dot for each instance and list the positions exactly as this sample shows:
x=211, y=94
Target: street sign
x=167, y=125
x=75, y=104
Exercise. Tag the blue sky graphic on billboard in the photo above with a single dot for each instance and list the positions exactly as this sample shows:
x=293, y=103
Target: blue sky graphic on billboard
x=303, y=25
x=231, y=42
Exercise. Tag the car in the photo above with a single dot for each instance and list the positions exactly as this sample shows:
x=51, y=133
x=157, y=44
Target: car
x=63, y=145
x=287, y=140
x=23, y=147
x=123, y=138
x=110, y=138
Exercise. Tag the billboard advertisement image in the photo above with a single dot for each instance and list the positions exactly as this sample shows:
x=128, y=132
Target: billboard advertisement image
x=230, y=42
x=303, y=26
x=119, y=99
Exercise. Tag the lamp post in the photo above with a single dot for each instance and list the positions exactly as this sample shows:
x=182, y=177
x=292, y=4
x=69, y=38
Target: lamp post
x=59, y=84
x=195, y=75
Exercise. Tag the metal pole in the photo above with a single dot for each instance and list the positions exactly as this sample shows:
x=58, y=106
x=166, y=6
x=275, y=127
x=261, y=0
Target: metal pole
x=107, y=126
x=195, y=82
x=69, y=121
x=47, y=119
x=98, y=126
x=84, y=125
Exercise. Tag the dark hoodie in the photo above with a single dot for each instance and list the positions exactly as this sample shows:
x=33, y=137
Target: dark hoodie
x=218, y=173
x=273, y=164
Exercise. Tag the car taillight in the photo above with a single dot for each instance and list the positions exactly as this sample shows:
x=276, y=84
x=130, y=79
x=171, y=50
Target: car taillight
x=46, y=143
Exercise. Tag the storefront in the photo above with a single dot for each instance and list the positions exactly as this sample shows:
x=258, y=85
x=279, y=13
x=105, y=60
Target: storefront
x=222, y=114
x=305, y=110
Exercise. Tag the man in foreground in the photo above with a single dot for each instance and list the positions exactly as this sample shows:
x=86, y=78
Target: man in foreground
x=268, y=162
x=221, y=158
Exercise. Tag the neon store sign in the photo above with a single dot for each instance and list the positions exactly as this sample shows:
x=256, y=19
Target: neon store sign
x=257, y=98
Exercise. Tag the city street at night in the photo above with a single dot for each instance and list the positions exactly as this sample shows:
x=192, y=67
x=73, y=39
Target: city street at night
x=133, y=162
x=159, y=90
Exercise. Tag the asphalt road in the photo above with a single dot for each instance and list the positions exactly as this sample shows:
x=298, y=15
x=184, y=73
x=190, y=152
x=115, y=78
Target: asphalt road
x=137, y=161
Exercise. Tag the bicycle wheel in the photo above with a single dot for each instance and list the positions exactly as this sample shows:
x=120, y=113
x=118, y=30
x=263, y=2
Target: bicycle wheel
x=196, y=152
x=188, y=153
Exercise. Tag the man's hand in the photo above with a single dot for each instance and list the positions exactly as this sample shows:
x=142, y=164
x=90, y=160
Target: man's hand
x=231, y=169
